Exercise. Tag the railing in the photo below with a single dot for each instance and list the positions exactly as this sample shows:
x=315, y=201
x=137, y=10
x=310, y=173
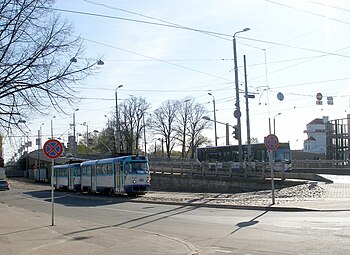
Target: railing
x=248, y=169
x=214, y=169
x=302, y=164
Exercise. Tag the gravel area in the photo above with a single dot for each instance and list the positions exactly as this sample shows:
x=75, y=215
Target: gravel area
x=258, y=198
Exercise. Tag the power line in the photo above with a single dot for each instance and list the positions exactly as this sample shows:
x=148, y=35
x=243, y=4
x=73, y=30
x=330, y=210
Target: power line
x=295, y=47
x=159, y=60
x=332, y=6
x=191, y=29
x=153, y=18
x=138, y=21
x=309, y=12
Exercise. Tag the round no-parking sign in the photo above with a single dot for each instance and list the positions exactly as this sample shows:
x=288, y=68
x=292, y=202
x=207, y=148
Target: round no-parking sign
x=53, y=148
x=271, y=142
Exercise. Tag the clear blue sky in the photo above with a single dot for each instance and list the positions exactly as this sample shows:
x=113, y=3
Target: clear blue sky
x=298, y=48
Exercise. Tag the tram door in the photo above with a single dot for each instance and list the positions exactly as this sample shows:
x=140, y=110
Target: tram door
x=93, y=178
x=118, y=178
x=70, y=178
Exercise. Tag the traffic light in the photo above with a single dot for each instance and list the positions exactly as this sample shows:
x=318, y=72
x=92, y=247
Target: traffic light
x=236, y=132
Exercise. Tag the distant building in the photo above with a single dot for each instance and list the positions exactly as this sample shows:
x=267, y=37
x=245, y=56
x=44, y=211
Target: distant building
x=316, y=131
x=338, y=139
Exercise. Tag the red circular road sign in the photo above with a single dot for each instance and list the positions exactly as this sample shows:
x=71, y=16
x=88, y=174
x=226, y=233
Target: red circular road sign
x=53, y=148
x=271, y=142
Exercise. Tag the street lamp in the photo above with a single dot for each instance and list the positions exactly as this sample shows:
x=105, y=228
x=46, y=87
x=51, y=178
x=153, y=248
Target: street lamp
x=96, y=131
x=162, y=141
x=216, y=136
x=227, y=127
x=74, y=142
x=274, y=122
x=87, y=136
x=237, y=112
x=117, y=145
x=39, y=152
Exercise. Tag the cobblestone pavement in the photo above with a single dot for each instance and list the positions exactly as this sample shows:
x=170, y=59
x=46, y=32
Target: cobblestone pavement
x=302, y=192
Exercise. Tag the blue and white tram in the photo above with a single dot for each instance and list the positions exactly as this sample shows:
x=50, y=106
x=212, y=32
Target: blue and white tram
x=128, y=174
x=67, y=177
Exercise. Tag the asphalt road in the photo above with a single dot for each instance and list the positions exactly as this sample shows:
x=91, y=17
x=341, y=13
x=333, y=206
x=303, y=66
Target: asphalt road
x=207, y=230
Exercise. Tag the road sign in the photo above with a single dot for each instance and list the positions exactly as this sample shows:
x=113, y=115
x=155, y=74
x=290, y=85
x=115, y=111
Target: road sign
x=53, y=148
x=271, y=142
x=319, y=96
x=280, y=96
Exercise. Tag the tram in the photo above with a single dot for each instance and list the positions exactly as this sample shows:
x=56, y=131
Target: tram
x=120, y=175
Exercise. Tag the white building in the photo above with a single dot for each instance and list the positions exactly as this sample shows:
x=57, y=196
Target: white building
x=316, y=136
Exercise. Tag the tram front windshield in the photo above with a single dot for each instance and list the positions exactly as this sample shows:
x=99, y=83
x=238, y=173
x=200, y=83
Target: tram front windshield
x=136, y=168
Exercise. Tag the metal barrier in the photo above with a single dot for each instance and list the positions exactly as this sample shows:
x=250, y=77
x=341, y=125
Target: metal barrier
x=230, y=169
x=319, y=164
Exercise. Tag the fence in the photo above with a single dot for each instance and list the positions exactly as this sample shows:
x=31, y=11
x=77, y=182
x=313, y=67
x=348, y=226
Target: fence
x=247, y=169
x=257, y=169
x=320, y=164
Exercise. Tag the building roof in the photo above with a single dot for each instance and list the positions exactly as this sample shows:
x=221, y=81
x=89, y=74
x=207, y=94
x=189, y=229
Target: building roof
x=316, y=122
x=310, y=139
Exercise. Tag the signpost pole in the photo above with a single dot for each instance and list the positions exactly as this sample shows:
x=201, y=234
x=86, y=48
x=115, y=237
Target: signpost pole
x=52, y=149
x=52, y=194
x=271, y=143
x=272, y=178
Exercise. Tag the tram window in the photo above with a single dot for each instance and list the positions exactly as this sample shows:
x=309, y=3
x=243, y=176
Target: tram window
x=98, y=170
x=84, y=171
x=104, y=169
x=139, y=167
x=109, y=169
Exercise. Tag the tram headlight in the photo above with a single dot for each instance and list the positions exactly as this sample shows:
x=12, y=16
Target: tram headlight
x=134, y=181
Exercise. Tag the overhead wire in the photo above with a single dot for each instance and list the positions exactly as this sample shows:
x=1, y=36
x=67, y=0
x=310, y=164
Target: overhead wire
x=309, y=12
x=177, y=26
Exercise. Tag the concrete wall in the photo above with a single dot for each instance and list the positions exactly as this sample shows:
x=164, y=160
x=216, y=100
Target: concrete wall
x=213, y=184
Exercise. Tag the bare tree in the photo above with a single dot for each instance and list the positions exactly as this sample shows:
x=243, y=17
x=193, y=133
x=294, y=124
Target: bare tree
x=195, y=127
x=39, y=60
x=163, y=123
x=182, y=122
x=132, y=111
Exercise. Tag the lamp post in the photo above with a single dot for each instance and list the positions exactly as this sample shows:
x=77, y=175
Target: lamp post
x=216, y=136
x=87, y=137
x=105, y=145
x=247, y=96
x=39, y=152
x=227, y=127
x=74, y=137
x=274, y=122
x=117, y=145
x=162, y=141
x=144, y=133
x=237, y=112
x=52, y=126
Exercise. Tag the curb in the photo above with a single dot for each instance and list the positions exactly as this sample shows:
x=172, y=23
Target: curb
x=221, y=206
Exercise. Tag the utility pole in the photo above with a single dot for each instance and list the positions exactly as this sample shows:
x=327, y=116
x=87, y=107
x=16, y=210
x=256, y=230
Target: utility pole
x=216, y=136
x=237, y=112
x=249, y=147
x=144, y=133
x=117, y=145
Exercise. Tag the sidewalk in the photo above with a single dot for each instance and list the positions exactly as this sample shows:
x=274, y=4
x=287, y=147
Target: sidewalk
x=30, y=233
